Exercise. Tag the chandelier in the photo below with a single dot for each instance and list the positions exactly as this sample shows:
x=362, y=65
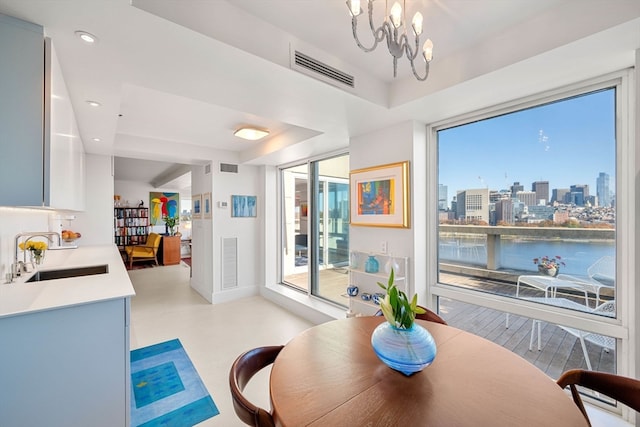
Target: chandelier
x=397, y=37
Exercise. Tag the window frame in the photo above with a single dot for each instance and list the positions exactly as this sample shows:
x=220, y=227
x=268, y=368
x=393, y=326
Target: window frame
x=622, y=327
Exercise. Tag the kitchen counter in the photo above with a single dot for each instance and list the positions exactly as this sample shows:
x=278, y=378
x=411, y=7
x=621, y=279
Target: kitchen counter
x=19, y=298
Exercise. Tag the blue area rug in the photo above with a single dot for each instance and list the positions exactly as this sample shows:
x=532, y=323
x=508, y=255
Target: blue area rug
x=166, y=389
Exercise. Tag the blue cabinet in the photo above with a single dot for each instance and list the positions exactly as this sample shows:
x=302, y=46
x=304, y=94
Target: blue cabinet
x=22, y=85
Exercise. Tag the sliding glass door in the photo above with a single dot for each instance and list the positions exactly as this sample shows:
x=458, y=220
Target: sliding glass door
x=315, y=228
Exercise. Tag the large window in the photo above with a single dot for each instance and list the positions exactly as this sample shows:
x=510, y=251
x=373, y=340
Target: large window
x=527, y=247
x=315, y=227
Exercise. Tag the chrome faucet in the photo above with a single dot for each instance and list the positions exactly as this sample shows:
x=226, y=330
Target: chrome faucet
x=19, y=267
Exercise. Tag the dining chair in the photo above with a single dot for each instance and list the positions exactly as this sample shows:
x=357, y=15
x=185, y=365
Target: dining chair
x=428, y=315
x=146, y=252
x=623, y=389
x=242, y=370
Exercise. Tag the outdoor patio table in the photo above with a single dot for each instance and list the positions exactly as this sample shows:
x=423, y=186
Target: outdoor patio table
x=549, y=285
x=329, y=376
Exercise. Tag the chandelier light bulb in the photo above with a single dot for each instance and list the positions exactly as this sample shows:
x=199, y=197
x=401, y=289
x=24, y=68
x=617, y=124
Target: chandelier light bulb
x=427, y=50
x=398, y=41
x=417, y=23
x=354, y=7
x=396, y=14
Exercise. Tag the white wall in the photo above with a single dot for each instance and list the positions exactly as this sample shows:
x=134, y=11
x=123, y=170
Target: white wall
x=96, y=222
x=373, y=149
x=135, y=192
x=12, y=222
x=247, y=182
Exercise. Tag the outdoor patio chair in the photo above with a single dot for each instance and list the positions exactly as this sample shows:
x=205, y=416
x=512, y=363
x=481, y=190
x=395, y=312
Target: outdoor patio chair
x=601, y=274
x=607, y=309
x=242, y=370
x=623, y=389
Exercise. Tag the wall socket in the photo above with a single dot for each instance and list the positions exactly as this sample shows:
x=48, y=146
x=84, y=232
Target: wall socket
x=383, y=247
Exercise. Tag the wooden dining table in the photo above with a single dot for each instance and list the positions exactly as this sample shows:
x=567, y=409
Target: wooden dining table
x=329, y=375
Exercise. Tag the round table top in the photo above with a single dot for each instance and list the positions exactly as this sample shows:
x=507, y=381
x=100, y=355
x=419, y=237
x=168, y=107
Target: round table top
x=329, y=376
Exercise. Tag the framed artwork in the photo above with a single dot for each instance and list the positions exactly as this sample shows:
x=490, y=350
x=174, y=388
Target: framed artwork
x=380, y=196
x=243, y=206
x=206, y=205
x=162, y=205
x=196, y=206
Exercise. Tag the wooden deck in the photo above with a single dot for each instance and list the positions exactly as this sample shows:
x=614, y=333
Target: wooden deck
x=559, y=349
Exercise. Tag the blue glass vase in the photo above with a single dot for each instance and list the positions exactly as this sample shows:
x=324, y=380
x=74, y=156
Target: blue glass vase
x=405, y=350
x=372, y=265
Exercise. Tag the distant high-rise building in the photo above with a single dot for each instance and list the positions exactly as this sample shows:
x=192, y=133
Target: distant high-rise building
x=579, y=194
x=473, y=205
x=602, y=189
x=442, y=197
x=559, y=195
x=454, y=207
x=541, y=189
x=527, y=197
x=504, y=211
x=515, y=188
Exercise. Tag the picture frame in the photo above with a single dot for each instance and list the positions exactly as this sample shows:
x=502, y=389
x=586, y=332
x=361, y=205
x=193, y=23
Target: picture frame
x=380, y=196
x=196, y=206
x=243, y=206
x=161, y=205
x=206, y=205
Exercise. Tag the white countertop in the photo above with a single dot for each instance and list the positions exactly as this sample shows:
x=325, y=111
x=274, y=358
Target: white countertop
x=22, y=298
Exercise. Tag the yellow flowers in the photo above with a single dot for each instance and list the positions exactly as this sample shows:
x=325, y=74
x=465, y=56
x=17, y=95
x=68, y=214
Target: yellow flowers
x=33, y=246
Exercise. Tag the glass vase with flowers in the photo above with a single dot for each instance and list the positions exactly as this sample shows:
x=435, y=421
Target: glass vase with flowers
x=36, y=250
x=400, y=343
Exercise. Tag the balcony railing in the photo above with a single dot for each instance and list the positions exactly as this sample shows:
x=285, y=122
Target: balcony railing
x=494, y=235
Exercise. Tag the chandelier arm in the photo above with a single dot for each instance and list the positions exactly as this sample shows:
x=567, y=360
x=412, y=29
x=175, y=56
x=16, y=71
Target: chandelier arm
x=404, y=45
x=397, y=42
x=415, y=73
x=370, y=13
x=376, y=39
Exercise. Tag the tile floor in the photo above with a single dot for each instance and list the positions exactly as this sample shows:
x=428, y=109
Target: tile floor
x=165, y=307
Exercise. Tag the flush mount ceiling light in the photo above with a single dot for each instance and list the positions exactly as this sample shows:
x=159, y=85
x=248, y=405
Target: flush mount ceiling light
x=94, y=103
x=86, y=37
x=96, y=139
x=251, y=133
x=394, y=29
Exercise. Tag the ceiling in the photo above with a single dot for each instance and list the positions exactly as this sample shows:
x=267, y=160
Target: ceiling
x=176, y=78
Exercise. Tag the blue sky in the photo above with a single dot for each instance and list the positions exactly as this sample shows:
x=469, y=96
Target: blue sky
x=566, y=143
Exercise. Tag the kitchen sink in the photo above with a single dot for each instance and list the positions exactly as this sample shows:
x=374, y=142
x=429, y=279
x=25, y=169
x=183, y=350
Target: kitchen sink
x=39, y=276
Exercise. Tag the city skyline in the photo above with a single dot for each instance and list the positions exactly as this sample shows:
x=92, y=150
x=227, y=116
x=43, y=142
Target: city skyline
x=566, y=143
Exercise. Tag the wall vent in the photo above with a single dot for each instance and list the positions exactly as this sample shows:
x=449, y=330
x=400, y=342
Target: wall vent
x=207, y=169
x=227, y=167
x=311, y=64
x=229, y=262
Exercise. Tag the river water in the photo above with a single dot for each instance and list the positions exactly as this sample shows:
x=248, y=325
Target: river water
x=518, y=254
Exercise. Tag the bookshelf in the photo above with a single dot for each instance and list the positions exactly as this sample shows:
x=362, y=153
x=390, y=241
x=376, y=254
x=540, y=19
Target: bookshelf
x=131, y=226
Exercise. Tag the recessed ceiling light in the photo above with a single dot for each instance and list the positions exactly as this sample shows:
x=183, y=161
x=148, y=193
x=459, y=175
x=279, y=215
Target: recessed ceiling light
x=96, y=139
x=94, y=103
x=86, y=37
x=251, y=133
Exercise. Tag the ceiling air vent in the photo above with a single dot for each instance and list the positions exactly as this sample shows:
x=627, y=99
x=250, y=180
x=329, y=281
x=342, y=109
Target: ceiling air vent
x=226, y=167
x=323, y=69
